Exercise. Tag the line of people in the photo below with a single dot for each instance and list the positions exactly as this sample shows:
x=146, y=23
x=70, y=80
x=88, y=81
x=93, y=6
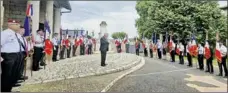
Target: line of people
x=16, y=49
x=200, y=51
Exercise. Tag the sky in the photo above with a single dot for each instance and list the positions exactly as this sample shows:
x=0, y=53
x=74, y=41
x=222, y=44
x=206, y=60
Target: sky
x=119, y=16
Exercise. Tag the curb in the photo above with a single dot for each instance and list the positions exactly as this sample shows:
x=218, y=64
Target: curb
x=123, y=75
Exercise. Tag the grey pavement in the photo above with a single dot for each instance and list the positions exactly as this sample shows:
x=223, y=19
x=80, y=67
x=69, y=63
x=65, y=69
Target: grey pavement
x=163, y=76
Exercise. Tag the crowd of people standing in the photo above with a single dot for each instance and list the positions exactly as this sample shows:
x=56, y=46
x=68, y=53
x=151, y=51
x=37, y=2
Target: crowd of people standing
x=16, y=49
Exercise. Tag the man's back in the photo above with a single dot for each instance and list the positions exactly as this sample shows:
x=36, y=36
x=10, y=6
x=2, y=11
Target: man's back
x=104, y=45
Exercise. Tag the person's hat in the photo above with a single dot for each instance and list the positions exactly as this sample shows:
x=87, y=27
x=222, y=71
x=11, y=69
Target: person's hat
x=40, y=30
x=13, y=21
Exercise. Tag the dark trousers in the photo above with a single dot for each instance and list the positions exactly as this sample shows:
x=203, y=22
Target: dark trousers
x=210, y=65
x=38, y=53
x=223, y=64
x=8, y=70
x=62, y=52
x=55, y=52
x=68, y=51
x=89, y=49
x=200, y=61
x=159, y=54
x=137, y=52
x=151, y=53
x=103, y=58
x=173, y=55
x=145, y=52
x=82, y=49
x=181, y=58
x=189, y=57
x=127, y=48
x=74, y=50
x=22, y=65
x=119, y=49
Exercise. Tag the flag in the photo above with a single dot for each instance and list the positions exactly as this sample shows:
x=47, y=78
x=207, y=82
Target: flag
x=125, y=39
x=178, y=50
x=67, y=33
x=193, y=49
x=218, y=54
x=46, y=29
x=27, y=26
x=207, y=53
x=29, y=10
x=170, y=44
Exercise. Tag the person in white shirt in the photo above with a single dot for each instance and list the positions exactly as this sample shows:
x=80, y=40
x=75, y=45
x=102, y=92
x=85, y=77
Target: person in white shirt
x=181, y=47
x=38, y=49
x=173, y=52
x=223, y=50
x=200, y=56
x=10, y=53
x=90, y=44
x=189, y=57
x=55, y=41
x=159, y=49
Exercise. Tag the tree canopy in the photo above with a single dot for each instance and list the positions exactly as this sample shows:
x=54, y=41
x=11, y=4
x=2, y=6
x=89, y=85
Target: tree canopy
x=118, y=35
x=182, y=17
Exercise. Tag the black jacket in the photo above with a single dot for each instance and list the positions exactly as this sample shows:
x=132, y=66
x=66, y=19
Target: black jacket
x=104, y=44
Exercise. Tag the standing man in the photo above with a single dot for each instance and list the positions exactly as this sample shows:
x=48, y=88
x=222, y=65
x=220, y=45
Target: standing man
x=181, y=53
x=209, y=57
x=137, y=47
x=68, y=46
x=164, y=46
x=56, y=47
x=189, y=56
x=82, y=46
x=223, y=51
x=200, y=56
x=172, y=46
x=90, y=44
x=159, y=48
x=145, y=49
x=10, y=51
x=38, y=49
x=75, y=45
x=63, y=47
x=151, y=49
x=104, y=48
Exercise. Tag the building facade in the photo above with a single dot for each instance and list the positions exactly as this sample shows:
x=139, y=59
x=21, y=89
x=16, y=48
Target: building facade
x=42, y=10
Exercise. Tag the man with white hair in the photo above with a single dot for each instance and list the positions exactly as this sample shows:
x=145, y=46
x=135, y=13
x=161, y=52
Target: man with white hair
x=104, y=44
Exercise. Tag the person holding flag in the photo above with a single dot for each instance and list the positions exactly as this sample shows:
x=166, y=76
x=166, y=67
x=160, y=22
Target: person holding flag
x=181, y=55
x=137, y=46
x=159, y=49
x=126, y=42
x=178, y=52
x=63, y=46
x=151, y=49
x=145, y=49
x=201, y=56
x=68, y=46
x=55, y=41
x=209, y=57
x=48, y=46
x=75, y=45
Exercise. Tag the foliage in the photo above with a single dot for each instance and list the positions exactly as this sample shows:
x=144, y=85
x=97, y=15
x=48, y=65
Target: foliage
x=118, y=35
x=182, y=17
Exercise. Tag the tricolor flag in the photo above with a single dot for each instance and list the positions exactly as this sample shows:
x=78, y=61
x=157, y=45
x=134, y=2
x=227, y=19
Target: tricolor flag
x=178, y=50
x=29, y=10
x=207, y=52
x=27, y=26
x=218, y=54
x=125, y=39
x=48, y=45
x=47, y=29
x=193, y=49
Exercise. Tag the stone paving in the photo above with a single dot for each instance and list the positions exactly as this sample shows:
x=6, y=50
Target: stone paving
x=82, y=66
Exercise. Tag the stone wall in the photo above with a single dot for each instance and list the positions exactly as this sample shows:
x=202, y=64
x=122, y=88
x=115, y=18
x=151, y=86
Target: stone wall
x=16, y=9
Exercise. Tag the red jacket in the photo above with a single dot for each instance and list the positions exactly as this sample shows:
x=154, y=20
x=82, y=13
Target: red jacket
x=48, y=47
x=67, y=42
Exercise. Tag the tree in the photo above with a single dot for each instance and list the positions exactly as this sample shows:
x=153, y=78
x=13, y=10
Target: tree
x=118, y=35
x=182, y=17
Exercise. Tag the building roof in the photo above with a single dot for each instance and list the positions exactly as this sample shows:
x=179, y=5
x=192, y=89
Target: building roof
x=62, y=3
x=224, y=8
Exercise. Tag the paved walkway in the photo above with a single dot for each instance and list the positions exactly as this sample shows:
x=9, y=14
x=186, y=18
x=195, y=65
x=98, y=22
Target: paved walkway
x=83, y=66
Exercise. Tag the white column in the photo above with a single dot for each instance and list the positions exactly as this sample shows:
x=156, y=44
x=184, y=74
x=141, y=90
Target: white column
x=49, y=15
x=1, y=15
x=57, y=22
x=36, y=16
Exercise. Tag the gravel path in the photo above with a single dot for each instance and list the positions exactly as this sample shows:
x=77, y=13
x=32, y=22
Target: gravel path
x=83, y=66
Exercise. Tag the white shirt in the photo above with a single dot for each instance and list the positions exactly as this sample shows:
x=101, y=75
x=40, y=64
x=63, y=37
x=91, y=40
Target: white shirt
x=9, y=42
x=39, y=39
x=223, y=50
x=201, y=50
x=181, y=48
x=23, y=41
x=159, y=45
x=55, y=41
x=187, y=47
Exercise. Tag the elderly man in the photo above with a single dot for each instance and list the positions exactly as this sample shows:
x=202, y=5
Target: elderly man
x=104, y=48
x=10, y=53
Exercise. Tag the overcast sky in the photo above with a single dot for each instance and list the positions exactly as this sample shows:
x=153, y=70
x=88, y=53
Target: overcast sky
x=119, y=15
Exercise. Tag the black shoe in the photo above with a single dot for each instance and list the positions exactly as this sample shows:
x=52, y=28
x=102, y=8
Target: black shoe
x=207, y=71
x=23, y=78
x=16, y=85
x=20, y=81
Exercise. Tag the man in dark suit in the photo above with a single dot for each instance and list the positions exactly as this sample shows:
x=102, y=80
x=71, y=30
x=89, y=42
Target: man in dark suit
x=104, y=48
